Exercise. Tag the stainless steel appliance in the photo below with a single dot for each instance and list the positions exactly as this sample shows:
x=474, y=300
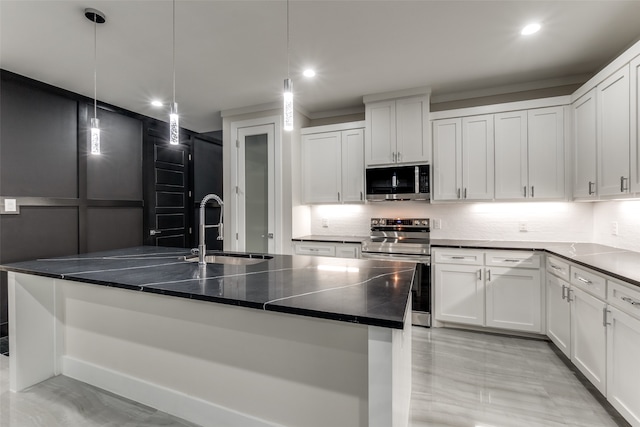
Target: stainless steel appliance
x=398, y=183
x=398, y=239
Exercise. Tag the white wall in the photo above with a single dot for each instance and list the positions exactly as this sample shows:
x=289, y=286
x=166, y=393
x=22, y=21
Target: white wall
x=626, y=214
x=546, y=221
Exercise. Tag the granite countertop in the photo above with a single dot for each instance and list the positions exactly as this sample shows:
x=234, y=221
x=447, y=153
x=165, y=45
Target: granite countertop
x=349, y=290
x=621, y=264
x=331, y=239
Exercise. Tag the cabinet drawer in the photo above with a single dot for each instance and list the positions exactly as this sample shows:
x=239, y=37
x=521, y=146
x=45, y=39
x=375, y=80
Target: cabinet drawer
x=625, y=297
x=458, y=256
x=558, y=268
x=588, y=281
x=315, y=249
x=346, y=251
x=521, y=259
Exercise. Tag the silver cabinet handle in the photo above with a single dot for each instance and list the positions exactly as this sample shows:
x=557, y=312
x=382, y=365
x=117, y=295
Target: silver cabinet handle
x=488, y=275
x=458, y=193
x=631, y=301
x=338, y=196
x=394, y=157
x=532, y=193
x=569, y=294
x=511, y=260
x=555, y=267
x=465, y=192
x=583, y=280
x=564, y=290
x=604, y=317
x=399, y=156
x=623, y=188
x=590, y=187
x=361, y=196
x=457, y=257
x=480, y=274
x=525, y=191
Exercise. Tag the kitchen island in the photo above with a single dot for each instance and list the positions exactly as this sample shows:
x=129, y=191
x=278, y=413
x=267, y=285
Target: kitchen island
x=260, y=341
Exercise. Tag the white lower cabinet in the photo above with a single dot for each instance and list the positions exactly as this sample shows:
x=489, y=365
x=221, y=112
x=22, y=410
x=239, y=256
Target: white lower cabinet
x=558, y=314
x=589, y=336
x=459, y=294
x=623, y=354
x=473, y=287
x=513, y=299
x=339, y=250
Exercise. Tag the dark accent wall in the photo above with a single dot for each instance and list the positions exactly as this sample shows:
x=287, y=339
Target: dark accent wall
x=70, y=201
x=207, y=178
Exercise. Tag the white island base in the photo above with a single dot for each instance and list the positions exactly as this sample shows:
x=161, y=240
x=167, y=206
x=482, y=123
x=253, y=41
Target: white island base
x=211, y=364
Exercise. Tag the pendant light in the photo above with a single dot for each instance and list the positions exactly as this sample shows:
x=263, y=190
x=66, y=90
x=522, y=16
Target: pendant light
x=174, y=119
x=288, y=88
x=96, y=17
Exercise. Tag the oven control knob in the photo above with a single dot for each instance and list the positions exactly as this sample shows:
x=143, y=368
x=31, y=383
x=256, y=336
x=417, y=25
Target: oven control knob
x=416, y=222
x=425, y=222
x=381, y=222
x=374, y=222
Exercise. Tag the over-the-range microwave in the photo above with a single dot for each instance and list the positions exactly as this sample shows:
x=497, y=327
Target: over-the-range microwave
x=398, y=183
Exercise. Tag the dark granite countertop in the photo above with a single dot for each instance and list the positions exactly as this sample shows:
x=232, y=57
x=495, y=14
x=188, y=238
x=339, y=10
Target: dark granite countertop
x=349, y=290
x=331, y=239
x=618, y=263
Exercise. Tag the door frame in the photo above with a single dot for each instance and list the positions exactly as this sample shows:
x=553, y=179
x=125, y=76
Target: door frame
x=234, y=213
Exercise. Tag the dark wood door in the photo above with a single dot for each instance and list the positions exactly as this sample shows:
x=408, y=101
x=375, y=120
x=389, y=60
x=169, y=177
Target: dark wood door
x=168, y=208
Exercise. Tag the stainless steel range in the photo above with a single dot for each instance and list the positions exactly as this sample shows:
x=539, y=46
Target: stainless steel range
x=405, y=239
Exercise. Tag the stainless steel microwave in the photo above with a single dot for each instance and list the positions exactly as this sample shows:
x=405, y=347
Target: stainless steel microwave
x=398, y=183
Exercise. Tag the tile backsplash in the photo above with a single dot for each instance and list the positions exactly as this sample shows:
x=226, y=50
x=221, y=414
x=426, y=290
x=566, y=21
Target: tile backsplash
x=543, y=221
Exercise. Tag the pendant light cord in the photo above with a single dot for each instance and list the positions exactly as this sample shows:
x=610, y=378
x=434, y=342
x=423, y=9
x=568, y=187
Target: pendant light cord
x=288, y=49
x=95, y=66
x=174, y=51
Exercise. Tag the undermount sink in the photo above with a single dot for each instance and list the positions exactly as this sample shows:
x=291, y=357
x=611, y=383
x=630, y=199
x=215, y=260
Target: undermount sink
x=233, y=259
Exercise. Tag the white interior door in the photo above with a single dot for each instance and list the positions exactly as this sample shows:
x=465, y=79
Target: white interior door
x=255, y=189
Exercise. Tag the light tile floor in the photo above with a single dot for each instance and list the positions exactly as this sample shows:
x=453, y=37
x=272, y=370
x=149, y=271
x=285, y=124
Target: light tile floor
x=460, y=379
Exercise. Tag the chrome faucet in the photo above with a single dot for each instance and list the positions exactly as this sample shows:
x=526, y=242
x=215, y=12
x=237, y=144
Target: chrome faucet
x=202, y=247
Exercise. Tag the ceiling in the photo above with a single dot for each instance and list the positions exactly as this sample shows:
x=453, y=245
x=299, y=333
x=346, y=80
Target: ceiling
x=232, y=54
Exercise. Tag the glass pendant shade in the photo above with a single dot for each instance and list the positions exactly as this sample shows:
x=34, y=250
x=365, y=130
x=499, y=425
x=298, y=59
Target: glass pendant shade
x=174, y=125
x=95, y=136
x=288, y=105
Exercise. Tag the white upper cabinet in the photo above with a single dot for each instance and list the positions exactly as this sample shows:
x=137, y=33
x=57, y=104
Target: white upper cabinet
x=447, y=159
x=613, y=134
x=477, y=157
x=585, y=148
x=546, y=153
x=635, y=124
x=511, y=155
x=333, y=166
x=397, y=131
x=529, y=154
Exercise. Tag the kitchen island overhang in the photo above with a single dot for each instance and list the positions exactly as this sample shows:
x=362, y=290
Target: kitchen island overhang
x=295, y=341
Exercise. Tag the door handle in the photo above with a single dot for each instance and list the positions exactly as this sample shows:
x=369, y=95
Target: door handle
x=154, y=232
x=590, y=187
x=465, y=192
x=604, y=317
x=458, y=193
x=361, y=196
x=399, y=156
x=564, y=290
x=488, y=275
x=525, y=191
x=532, y=191
x=394, y=157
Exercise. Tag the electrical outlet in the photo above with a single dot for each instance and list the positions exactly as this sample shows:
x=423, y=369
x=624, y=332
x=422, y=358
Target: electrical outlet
x=436, y=223
x=523, y=227
x=325, y=222
x=614, y=228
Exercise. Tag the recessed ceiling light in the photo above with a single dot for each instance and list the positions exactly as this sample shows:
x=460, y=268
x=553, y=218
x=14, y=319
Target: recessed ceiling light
x=309, y=72
x=157, y=103
x=530, y=29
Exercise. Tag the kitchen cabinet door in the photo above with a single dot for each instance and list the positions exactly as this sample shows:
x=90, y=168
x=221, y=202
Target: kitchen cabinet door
x=511, y=155
x=613, y=134
x=412, y=139
x=380, y=138
x=545, y=149
x=623, y=375
x=589, y=337
x=477, y=158
x=322, y=167
x=352, y=166
x=635, y=125
x=584, y=144
x=459, y=294
x=513, y=299
x=558, y=314
x=447, y=159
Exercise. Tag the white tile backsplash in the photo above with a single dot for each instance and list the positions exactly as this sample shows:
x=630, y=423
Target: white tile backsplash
x=545, y=221
x=627, y=216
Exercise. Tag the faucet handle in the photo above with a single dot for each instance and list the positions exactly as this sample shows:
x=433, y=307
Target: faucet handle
x=220, y=231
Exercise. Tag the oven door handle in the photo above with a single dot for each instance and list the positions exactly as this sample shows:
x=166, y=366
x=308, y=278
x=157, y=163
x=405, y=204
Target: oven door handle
x=397, y=257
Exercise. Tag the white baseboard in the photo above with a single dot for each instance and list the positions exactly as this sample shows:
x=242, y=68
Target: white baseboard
x=171, y=401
